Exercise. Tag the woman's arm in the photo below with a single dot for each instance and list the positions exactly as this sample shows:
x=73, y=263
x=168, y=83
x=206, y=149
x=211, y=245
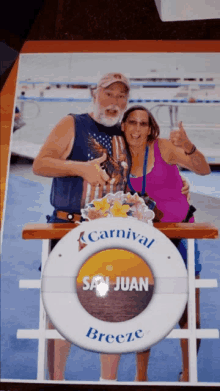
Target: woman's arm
x=178, y=149
x=51, y=160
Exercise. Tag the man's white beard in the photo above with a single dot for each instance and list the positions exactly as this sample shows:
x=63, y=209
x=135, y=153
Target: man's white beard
x=100, y=117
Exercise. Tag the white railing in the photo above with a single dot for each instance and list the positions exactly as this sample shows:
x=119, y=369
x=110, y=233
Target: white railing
x=192, y=333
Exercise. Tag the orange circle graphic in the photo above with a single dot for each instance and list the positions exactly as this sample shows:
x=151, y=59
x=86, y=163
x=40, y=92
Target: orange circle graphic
x=115, y=285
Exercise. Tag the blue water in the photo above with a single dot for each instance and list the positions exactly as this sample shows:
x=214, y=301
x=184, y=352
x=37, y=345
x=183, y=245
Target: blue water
x=28, y=202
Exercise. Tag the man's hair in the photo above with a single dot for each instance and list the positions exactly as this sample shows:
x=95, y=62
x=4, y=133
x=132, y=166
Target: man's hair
x=155, y=130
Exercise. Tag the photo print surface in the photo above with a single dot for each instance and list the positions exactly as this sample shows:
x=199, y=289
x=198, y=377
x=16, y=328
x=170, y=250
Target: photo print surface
x=174, y=87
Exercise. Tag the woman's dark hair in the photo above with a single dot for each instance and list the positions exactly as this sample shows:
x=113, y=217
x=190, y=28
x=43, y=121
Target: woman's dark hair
x=155, y=130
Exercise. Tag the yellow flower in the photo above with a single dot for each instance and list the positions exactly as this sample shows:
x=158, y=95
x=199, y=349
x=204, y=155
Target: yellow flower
x=102, y=205
x=119, y=210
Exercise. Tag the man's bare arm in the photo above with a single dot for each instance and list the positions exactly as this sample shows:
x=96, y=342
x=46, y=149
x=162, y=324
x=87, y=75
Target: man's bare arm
x=51, y=160
x=185, y=189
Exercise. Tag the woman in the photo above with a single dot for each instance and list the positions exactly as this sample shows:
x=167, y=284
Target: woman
x=154, y=171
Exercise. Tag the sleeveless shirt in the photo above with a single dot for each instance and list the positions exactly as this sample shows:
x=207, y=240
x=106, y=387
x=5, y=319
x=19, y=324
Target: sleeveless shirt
x=92, y=139
x=163, y=185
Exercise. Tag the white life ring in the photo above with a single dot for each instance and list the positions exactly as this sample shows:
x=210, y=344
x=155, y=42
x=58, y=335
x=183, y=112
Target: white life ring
x=61, y=282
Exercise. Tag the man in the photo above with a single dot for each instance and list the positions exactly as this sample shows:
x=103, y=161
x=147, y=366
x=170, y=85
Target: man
x=86, y=156
x=78, y=146
x=18, y=120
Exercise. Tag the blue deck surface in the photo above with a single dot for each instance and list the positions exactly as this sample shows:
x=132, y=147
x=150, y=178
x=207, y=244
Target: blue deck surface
x=27, y=202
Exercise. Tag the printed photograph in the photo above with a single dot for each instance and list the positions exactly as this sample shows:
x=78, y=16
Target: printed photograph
x=87, y=125
x=106, y=293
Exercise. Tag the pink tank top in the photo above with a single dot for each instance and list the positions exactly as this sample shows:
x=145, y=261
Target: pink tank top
x=163, y=185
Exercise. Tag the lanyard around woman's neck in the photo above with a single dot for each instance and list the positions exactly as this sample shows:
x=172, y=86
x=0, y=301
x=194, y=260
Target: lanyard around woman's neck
x=144, y=174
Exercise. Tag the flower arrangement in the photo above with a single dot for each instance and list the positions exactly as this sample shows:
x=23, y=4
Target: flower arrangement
x=119, y=205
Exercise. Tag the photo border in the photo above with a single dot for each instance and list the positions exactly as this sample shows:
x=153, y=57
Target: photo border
x=7, y=116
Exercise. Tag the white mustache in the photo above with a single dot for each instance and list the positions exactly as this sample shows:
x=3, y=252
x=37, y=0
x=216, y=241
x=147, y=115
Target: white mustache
x=113, y=107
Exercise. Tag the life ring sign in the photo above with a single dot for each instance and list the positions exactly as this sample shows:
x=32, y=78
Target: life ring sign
x=114, y=285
